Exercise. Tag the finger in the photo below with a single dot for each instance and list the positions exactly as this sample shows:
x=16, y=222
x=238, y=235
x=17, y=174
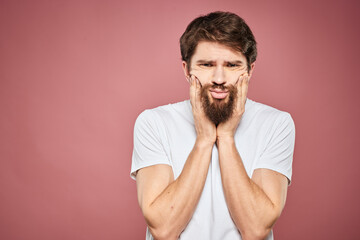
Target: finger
x=192, y=90
x=198, y=92
x=239, y=92
x=244, y=87
x=241, y=76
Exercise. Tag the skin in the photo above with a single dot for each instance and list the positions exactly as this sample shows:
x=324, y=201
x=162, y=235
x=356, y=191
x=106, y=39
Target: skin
x=254, y=203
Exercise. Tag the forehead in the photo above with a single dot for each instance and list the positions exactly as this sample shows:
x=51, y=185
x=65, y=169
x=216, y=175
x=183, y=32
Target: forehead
x=212, y=51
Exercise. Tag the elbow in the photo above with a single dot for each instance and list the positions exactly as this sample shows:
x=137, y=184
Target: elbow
x=160, y=227
x=160, y=230
x=259, y=231
x=162, y=234
x=258, y=234
x=256, y=231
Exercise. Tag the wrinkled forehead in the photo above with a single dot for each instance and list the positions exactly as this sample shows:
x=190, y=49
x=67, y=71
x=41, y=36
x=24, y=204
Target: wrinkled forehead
x=216, y=52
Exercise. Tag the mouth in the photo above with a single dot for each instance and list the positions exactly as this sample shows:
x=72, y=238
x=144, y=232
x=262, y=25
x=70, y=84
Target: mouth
x=218, y=93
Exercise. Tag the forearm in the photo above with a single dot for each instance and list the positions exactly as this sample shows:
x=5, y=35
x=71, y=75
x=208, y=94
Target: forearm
x=251, y=209
x=168, y=215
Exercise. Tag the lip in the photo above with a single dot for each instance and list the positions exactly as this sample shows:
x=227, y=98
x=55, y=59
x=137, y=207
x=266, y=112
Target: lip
x=218, y=93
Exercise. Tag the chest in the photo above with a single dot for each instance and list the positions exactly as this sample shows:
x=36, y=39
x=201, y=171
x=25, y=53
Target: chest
x=180, y=141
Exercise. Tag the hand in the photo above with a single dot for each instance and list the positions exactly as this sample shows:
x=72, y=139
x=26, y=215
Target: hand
x=227, y=129
x=205, y=129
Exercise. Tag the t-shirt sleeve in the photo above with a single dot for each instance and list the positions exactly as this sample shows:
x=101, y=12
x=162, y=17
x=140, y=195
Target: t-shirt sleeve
x=148, y=145
x=279, y=150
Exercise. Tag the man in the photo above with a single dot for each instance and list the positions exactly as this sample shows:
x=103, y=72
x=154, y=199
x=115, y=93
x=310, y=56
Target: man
x=217, y=166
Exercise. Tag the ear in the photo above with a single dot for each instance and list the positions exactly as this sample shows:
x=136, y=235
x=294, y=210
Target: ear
x=252, y=66
x=185, y=69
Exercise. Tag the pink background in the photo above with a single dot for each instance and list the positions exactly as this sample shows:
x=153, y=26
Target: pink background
x=74, y=75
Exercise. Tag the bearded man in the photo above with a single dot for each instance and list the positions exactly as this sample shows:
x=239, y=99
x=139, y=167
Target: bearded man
x=217, y=166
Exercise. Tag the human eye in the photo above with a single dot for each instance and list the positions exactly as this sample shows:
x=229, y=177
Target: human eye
x=232, y=65
x=206, y=64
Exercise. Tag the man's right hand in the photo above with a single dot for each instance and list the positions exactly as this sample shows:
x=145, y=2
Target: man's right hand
x=205, y=129
x=168, y=204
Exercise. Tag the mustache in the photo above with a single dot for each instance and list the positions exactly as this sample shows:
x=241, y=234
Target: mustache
x=219, y=86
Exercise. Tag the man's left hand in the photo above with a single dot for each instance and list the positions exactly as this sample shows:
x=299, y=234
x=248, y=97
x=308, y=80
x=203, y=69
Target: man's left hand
x=227, y=129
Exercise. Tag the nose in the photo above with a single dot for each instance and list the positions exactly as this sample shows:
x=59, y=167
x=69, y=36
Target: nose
x=219, y=76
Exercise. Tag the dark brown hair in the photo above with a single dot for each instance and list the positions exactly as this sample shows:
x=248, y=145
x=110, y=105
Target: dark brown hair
x=222, y=27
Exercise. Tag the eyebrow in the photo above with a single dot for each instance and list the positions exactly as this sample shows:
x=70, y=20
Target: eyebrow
x=211, y=61
x=203, y=61
x=236, y=62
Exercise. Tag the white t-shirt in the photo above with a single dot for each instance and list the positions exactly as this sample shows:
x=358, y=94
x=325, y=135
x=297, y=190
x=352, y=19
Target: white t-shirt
x=166, y=135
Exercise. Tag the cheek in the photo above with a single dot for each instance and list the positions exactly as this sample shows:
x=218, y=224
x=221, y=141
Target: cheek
x=233, y=77
x=204, y=77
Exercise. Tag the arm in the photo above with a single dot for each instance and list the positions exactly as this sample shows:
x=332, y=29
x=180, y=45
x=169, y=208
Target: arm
x=254, y=204
x=168, y=205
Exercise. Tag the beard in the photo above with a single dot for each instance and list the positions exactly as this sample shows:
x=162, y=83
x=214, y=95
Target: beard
x=218, y=110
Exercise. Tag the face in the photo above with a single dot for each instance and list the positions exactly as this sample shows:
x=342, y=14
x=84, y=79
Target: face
x=218, y=69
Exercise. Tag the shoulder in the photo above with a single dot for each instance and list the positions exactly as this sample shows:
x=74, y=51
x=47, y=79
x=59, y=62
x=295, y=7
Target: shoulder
x=165, y=113
x=266, y=113
x=267, y=119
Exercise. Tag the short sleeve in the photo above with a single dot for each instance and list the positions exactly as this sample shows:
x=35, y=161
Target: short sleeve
x=148, y=142
x=279, y=150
